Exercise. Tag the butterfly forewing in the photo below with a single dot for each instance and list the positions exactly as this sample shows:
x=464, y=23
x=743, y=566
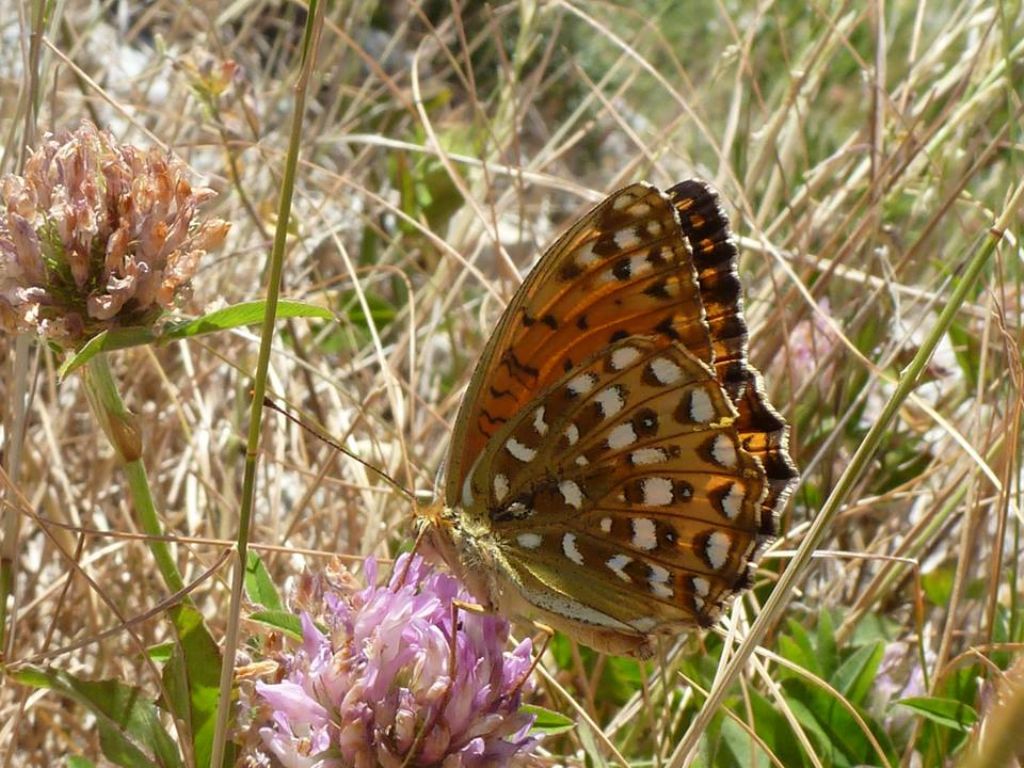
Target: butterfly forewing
x=616, y=466
x=622, y=269
x=715, y=255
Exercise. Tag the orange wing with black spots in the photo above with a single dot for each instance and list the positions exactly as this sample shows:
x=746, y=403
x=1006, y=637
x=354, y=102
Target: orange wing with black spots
x=616, y=467
x=623, y=269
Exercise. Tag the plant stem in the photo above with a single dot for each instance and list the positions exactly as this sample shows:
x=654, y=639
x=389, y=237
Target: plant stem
x=311, y=39
x=121, y=429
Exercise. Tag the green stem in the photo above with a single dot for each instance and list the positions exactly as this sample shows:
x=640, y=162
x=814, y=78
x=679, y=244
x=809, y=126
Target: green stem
x=121, y=429
x=314, y=23
x=844, y=486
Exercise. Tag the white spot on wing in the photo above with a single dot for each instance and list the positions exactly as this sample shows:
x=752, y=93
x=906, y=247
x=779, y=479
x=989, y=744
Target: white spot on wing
x=572, y=609
x=701, y=409
x=621, y=436
x=518, y=510
x=701, y=586
x=572, y=434
x=610, y=401
x=638, y=265
x=732, y=502
x=665, y=371
x=519, y=451
x=571, y=493
x=538, y=422
x=647, y=456
x=467, y=484
x=623, y=201
x=570, y=549
x=657, y=491
x=625, y=239
x=723, y=451
x=657, y=577
x=618, y=564
x=644, y=534
x=644, y=624
x=657, y=573
x=580, y=385
x=500, y=487
x=653, y=227
x=581, y=461
x=623, y=357
x=528, y=540
x=717, y=549
x=606, y=525
x=585, y=256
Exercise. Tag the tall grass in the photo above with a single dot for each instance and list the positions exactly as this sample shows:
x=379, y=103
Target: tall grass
x=865, y=151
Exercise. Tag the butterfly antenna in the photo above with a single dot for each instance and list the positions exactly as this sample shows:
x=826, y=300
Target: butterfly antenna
x=268, y=403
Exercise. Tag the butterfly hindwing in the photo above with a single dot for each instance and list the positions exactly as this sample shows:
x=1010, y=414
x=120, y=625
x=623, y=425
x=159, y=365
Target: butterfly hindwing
x=629, y=472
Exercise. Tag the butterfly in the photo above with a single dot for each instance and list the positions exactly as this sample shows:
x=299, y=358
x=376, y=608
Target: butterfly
x=615, y=468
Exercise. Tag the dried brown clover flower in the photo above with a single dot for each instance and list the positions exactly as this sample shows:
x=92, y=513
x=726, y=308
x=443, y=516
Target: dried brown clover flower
x=97, y=235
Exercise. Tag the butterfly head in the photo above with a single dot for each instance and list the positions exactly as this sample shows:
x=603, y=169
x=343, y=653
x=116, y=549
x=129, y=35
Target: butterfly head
x=445, y=540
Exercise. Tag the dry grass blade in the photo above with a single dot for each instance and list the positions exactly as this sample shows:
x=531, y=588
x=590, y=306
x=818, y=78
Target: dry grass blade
x=865, y=154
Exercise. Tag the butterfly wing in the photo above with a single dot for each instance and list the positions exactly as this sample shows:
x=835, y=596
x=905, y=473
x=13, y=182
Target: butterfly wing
x=634, y=509
x=615, y=466
x=715, y=256
x=622, y=269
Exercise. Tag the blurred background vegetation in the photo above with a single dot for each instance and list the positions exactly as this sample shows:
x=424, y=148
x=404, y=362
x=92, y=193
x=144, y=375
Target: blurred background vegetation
x=863, y=151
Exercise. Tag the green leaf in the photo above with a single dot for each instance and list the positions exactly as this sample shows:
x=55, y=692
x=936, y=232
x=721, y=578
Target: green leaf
x=283, y=621
x=871, y=628
x=259, y=587
x=548, y=722
x=742, y=746
x=77, y=761
x=938, y=585
x=621, y=679
x=160, y=652
x=828, y=655
x=775, y=730
x=192, y=680
x=223, y=319
x=856, y=677
x=129, y=724
x=829, y=750
x=382, y=311
x=949, y=713
x=107, y=341
x=796, y=647
x=237, y=315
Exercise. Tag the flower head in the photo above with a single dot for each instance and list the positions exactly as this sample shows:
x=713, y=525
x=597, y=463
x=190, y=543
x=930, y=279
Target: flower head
x=388, y=683
x=97, y=235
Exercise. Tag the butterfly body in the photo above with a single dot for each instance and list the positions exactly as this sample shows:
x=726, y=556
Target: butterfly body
x=615, y=468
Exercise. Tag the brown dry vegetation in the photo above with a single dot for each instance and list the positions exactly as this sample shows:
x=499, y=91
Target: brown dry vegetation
x=864, y=152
